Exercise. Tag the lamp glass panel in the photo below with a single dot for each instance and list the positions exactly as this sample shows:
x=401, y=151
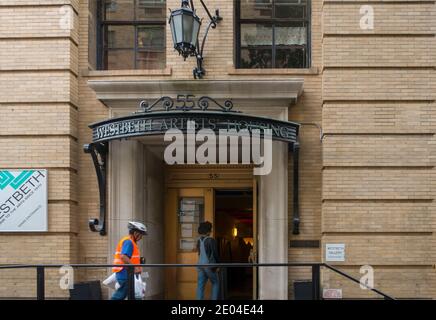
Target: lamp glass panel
x=178, y=28
x=188, y=26
x=195, y=31
x=173, y=32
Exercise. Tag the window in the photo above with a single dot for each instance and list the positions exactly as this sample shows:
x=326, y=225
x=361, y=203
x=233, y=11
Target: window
x=133, y=34
x=92, y=29
x=272, y=33
x=151, y=3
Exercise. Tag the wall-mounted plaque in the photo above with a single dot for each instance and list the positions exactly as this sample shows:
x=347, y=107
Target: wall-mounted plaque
x=23, y=200
x=191, y=213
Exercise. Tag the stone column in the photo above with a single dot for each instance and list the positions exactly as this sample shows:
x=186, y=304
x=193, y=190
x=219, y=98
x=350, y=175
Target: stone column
x=136, y=191
x=153, y=244
x=273, y=226
x=126, y=189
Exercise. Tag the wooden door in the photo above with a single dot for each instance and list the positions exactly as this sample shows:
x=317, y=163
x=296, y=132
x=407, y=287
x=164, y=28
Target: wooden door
x=185, y=208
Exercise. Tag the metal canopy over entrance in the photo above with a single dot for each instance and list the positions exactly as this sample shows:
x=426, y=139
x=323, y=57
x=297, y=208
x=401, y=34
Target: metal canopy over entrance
x=147, y=122
x=134, y=157
x=157, y=123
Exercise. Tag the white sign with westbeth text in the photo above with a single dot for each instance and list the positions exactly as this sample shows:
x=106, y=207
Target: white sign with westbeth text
x=23, y=200
x=335, y=252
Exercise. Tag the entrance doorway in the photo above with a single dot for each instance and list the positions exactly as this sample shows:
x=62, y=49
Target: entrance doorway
x=234, y=234
x=228, y=201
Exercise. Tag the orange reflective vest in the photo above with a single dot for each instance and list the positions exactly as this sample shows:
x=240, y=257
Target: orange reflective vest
x=135, y=259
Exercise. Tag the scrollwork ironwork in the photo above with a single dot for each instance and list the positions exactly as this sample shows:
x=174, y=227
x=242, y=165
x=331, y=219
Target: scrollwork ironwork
x=203, y=104
x=98, y=152
x=167, y=104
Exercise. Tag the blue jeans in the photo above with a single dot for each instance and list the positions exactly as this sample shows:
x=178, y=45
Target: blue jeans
x=203, y=275
x=121, y=292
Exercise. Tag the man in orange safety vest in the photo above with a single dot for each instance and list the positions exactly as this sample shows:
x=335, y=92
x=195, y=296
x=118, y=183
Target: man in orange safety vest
x=127, y=252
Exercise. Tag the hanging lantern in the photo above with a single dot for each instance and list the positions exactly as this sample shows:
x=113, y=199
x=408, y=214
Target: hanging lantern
x=185, y=26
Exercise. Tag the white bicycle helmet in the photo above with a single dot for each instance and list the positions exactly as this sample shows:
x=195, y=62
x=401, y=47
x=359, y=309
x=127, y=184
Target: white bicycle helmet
x=137, y=226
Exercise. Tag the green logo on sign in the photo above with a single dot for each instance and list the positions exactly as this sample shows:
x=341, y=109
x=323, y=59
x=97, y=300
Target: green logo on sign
x=7, y=178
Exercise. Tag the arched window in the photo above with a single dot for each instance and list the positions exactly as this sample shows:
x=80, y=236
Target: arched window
x=272, y=33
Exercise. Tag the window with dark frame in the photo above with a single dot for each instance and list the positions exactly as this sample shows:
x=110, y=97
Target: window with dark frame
x=132, y=34
x=272, y=33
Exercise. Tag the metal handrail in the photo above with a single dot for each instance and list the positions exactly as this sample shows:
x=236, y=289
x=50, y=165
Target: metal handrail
x=159, y=265
x=316, y=282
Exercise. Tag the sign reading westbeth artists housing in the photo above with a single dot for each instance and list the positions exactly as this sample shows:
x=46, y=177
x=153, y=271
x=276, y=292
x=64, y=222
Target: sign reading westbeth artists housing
x=23, y=200
x=160, y=122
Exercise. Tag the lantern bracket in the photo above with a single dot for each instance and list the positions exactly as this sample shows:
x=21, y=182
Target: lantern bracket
x=199, y=71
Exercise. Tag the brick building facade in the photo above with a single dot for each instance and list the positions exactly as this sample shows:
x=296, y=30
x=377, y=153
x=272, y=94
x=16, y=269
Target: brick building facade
x=368, y=120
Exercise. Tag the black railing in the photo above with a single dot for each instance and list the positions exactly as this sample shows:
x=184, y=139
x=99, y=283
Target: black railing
x=316, y=274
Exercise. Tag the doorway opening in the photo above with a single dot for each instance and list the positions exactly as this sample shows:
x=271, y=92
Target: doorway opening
x=234, y=234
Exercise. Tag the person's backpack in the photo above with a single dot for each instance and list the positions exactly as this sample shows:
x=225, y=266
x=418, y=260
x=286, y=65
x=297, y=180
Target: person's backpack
x=204, y=258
